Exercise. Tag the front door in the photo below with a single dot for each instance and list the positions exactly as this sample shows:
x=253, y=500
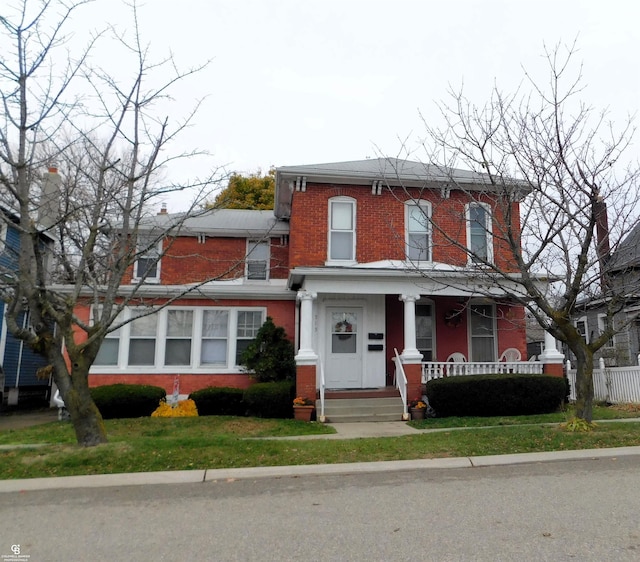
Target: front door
x=344, y=347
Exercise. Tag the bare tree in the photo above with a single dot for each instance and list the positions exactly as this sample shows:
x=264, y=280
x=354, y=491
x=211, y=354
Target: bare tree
x=552, y=168
x=113, y=148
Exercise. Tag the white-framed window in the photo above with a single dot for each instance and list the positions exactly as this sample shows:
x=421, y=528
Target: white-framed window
x=257, y=262
x=142, y=338
x=482, y=326
x=603, y=326
x=147, y=266
x=479, y=233
x=424, y=330
x=582, y=327
x=195, y=339
x=179, y=335
x=342, y=229
x=418, y=230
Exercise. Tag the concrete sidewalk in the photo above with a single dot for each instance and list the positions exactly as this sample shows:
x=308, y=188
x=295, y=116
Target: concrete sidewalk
x=360, y=430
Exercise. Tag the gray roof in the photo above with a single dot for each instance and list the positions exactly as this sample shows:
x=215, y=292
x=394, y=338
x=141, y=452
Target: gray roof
x=222, y=222
x=628, y=252
x=392, y=172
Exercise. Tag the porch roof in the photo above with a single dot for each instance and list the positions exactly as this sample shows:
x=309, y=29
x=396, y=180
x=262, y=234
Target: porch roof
x=400, y=277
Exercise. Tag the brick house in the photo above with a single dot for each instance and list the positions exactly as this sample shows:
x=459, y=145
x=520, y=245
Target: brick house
x=356, y=260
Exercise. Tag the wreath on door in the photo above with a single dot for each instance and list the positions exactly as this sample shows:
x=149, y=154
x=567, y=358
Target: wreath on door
x=344, y=329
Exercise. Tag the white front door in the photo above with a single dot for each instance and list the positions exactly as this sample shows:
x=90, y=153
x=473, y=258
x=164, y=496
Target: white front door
x=343, y=367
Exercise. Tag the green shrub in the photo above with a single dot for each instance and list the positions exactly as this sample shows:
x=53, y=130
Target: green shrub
x=127, y=400
x=496, y=395
x=270, y=399
x=270, y=356
x=219, y=401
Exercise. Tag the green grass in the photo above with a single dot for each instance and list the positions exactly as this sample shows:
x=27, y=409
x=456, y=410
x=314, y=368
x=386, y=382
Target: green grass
x=157, y=444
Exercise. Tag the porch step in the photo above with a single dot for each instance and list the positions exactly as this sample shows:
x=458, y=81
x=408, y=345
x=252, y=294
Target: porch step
x=343, y=410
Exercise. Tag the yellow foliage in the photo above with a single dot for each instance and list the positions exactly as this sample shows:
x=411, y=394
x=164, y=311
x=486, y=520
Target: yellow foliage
x=183, y=409
x=575, y=425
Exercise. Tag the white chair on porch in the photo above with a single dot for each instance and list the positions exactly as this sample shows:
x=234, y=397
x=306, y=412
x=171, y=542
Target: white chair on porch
x=456, y=357
x=510, y=355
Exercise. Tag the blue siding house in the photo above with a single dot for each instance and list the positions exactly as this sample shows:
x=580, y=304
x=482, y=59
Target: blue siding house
x=19, y=363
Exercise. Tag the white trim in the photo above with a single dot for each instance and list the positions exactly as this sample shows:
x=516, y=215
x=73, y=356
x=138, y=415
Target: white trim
x=583, y=320
x=342, y=199
x=195, y=366
x=494, y=331
x=488, y=228
x=426, y=205
x=602, y=326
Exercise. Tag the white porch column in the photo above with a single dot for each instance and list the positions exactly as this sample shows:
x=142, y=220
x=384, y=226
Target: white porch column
x=550, y=354
x=306, y=352
x=410, y=351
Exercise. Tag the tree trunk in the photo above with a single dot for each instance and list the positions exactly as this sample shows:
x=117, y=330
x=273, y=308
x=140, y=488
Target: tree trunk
x=85, y=416
x=584, y=383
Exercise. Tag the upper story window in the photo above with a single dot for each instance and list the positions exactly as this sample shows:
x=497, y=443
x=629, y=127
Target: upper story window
x=257, y=262
x=418, y=230
x=581, y=326
x=147, y=266
x=479, y=233
x=342, y=229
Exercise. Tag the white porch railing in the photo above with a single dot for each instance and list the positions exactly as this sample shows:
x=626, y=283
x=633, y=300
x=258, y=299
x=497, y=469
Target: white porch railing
x=439, y=369
x=323, y=387
x=610, y=384
x=401, y=384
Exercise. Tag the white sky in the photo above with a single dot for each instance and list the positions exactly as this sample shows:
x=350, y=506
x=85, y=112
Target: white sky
x=312, y=81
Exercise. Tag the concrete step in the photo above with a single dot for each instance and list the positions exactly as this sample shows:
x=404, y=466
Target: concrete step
x=362, y=409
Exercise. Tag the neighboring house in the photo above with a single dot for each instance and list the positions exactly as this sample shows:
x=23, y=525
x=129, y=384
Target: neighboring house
x=19, y=363
x=346, y=263
x=623, y=273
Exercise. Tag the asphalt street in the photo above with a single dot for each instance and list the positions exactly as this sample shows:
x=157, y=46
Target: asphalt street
x=579, y=510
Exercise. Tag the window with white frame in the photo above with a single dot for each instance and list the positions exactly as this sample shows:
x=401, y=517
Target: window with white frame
x=342, y=229
x=479, y=233
x=142, y=339
x=147, y=266
x=418, y=230
x=215, y=337
x=249, y=323
x=581, y=326
x=257, y=262
x=603, y=326
x=197, y=339
x=177, y=349
x=483, y=332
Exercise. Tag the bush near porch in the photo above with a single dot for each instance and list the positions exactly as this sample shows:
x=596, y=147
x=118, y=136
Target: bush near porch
x=127, y=400
x=496, y=395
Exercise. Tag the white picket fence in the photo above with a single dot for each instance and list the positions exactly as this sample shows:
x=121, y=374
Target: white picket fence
x=610, y=384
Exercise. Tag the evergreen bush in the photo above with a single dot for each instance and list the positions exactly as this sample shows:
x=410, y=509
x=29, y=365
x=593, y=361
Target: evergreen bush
x=496, y=395
x=270, y=356
x=127, y=400
x=270, y=399
x=219, y=401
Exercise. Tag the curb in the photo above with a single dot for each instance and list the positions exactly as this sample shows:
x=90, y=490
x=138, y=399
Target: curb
x=231, y=474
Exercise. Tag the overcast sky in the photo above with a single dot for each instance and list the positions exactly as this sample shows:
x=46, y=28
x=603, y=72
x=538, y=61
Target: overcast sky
x=313, y=81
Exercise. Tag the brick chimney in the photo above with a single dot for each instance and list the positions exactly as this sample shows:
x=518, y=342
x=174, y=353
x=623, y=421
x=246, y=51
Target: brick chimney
x=163, y=209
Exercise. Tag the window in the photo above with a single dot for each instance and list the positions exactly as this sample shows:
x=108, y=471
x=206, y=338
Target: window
x=257, y=259
x=249, y=323
x=483, y=340
x=147, y=266
x=424, y=331
x=110, y=348
x=177, y=350
x=479, y=234
x=603, y=326
x=342, y=235
x=196, y=339
x=215, y=330
x=142, y=341
x=418, y=231
x=581, y=326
